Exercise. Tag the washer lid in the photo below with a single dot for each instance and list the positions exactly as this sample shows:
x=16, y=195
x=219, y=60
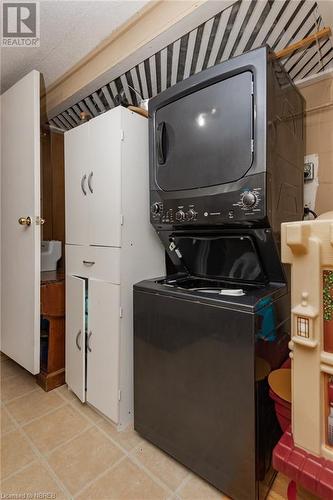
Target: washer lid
x=231, y=258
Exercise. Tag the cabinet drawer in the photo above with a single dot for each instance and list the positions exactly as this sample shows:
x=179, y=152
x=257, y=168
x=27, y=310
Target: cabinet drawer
x=101, y=263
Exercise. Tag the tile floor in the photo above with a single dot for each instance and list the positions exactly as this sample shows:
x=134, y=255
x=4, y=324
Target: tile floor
x=51, y=443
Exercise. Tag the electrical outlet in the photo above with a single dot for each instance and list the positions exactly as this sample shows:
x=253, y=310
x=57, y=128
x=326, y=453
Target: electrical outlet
x=311, y=182
x=309, y=171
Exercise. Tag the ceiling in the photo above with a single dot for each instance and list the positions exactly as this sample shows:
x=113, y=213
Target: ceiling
x=245, y=25
x=69, y=30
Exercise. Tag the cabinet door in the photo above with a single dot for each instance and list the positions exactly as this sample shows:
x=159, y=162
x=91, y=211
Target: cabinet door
x=103, y=347
x=75, y=335
x=76, y=185
x=104, y=179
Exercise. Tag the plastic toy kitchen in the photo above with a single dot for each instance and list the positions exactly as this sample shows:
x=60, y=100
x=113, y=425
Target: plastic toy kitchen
x=305, y=452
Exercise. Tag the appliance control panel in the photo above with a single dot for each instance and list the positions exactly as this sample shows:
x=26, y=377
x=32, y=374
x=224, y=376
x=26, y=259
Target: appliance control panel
x=237, y=206
x=249, y=200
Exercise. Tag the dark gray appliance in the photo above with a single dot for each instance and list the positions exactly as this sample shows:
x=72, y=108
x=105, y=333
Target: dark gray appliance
x=227, y=146
x=226, y=168
x=197, y=395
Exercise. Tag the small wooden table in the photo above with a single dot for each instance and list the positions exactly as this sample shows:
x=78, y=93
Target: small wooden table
x=52, y=372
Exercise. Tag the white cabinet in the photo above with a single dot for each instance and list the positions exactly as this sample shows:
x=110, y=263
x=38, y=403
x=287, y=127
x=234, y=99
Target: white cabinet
x=103, y=347
x=105, y=216
x=76, y=185
x=112, y=247
x=92, y=339
x=75, y=335
x=93, y=181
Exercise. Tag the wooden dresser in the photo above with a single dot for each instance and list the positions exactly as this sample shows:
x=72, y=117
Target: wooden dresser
x=52, y=363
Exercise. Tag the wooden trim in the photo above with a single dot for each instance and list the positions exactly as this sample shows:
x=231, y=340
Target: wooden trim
x=50, y=381
x=302, y=44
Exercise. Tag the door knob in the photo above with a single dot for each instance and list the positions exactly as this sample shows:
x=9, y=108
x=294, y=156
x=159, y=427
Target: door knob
x=24, y=221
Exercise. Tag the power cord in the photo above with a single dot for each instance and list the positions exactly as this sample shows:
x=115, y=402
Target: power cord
x=308, y=211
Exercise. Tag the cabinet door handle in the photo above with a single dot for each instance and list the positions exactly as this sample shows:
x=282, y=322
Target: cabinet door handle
x=89, y=182
x=83, y=180
x=88, y=341
x=77, y=340
x=88, y=262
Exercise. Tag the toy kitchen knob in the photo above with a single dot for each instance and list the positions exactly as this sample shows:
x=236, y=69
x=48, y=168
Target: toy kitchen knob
x=249, y=199
x=180, y=216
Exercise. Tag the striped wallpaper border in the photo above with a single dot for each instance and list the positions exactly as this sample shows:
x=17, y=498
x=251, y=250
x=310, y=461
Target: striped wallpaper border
x=245, y=25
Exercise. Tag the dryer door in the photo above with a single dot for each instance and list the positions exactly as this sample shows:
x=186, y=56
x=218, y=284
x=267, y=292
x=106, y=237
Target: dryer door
x=205, y=138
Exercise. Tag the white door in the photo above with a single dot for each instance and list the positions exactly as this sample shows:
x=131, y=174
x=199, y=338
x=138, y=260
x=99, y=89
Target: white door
x=105, y=179
x=20, y=199
x=103, y=347
x=77, y=169
x=75, y=335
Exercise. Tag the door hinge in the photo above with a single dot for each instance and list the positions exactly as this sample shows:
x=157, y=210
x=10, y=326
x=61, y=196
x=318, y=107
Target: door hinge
x=121, y=220
x=119, y=395
x=120, y=312
x=252, y=145
x=122, y=134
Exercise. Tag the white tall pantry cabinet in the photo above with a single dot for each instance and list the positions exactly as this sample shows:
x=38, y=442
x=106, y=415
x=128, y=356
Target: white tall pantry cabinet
x=110, y=245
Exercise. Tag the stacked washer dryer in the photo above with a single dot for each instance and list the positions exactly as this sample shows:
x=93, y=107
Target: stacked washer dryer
x=226, y=168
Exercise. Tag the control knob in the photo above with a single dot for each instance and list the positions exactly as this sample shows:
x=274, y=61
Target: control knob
x=190, y=215
x=249, y=199
x=155, y=208
x=180, y=216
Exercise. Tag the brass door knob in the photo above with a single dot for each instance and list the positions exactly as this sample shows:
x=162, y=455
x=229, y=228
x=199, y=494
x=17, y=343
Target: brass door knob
x=24, y=221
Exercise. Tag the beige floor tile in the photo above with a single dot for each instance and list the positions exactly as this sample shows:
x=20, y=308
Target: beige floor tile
x=80, y=461
x=273, y=495
x=15, y=453
x=126, y=481
x=34, y=479
x=56, y=428
x=302, y=494
x=87, y=410
x=128, y=438
x=279, y=488
x=66, y=393
x=34, y=405
x=19, y=385
x=7, y=423
x=197, y=489
x=162, y=465
x=8, y=368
